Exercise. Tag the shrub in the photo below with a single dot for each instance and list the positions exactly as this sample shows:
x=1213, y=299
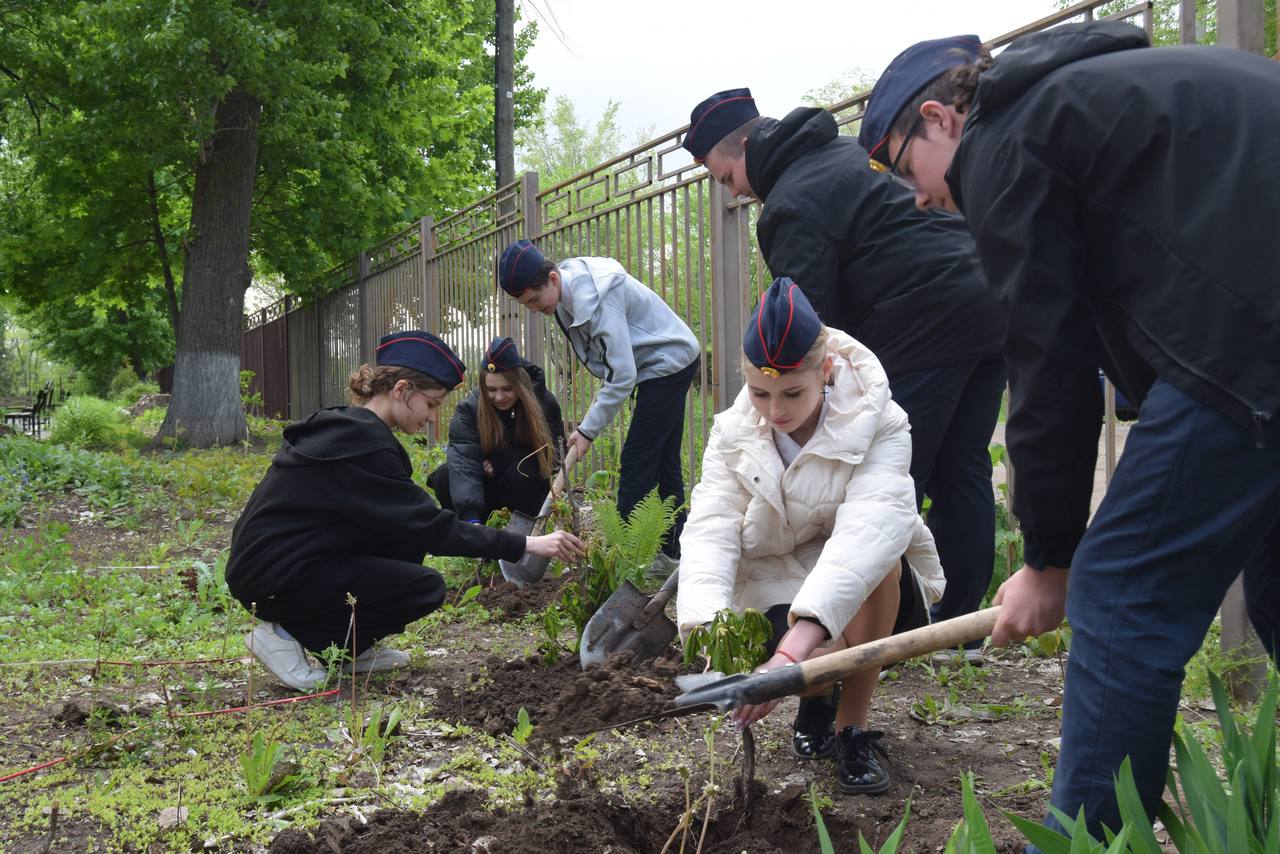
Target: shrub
x=131, y=394
x=122, y=380
x=88, y=422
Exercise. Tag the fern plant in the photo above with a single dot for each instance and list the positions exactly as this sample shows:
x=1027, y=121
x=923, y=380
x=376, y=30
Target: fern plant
x=630, y=545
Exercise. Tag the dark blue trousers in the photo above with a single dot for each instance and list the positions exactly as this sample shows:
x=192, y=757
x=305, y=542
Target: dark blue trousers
x=953, y=412
x=1192, y=503
x=651, y=453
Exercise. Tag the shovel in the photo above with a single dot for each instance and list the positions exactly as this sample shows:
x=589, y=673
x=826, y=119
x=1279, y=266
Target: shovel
x=531, y=567
x=729, y=692
x=629, y=622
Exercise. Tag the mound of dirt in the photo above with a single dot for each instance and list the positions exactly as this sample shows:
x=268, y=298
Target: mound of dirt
x=561, y=698
x=583, y=820
x=516, y=602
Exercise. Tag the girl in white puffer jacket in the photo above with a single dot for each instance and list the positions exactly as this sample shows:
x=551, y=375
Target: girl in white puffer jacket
x=804, y=511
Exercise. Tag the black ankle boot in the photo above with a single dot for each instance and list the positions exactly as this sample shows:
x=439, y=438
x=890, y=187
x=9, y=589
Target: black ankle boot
x=858, y=771
x=814, y=737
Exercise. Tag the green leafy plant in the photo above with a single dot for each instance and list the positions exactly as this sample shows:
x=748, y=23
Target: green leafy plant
x=629, y=545
x=372, y=738
x=731, y=642
x=1209, y=814
x=972, y=835
x=266, y=771
x=523, y=728
x=251, y=401
x=1243, y=814
x=88, y=422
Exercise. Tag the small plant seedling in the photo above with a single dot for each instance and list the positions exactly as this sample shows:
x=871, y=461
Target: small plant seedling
x=523, y=728
x=266, y=772
x=731, y=642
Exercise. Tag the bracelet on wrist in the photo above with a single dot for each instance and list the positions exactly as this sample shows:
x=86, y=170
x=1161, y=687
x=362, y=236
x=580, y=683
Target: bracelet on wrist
x=782, y=652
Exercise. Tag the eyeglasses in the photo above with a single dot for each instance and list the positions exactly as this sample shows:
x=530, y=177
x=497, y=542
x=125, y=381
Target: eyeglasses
x=906, y=140
x=892, y=168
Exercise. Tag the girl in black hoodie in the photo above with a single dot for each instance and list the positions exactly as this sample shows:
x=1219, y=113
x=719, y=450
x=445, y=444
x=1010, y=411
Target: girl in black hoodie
x=338, y=514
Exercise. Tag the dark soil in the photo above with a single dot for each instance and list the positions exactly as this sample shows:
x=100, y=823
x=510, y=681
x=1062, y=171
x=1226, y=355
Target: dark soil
x=560, y=698
x=515, y=602
x=581, y=821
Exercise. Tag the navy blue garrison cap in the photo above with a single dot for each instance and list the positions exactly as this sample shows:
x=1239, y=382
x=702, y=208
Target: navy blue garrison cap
x=782, y=329
x=713, y=119
x=502, y=355
x=520, y=264
x=911, y=71
x=424, y=353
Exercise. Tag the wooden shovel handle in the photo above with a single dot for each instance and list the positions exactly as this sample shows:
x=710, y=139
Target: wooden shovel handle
x=558, y=485
x=947, y=634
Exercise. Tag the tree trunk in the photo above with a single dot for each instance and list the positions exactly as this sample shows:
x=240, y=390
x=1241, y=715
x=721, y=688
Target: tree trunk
x=205, y=409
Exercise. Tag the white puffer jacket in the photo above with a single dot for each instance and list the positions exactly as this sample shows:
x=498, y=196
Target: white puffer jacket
x=821, y=534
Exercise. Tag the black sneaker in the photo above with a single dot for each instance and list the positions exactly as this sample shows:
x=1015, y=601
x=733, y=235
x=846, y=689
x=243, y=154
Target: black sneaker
x=858, y=771
x=815, y=737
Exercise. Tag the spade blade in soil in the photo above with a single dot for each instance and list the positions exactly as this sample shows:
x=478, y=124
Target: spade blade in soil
x=631, y=622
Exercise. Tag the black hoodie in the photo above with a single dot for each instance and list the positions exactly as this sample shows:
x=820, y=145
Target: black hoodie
x=1126, y=205
x=466, y=460
x=905, y=282
x=341, y=485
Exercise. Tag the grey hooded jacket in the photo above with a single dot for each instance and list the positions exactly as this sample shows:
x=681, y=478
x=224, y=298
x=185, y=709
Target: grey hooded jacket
x=621, y=331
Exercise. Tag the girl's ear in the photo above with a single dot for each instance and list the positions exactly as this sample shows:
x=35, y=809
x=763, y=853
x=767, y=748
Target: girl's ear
x=827, y=365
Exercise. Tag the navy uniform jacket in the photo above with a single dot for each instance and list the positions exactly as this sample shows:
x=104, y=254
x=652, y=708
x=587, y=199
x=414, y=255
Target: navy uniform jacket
x=342, y=484
x=1126, y=205
x=904, y=282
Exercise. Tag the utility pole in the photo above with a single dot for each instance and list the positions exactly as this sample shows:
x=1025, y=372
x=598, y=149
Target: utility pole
x=504, y=119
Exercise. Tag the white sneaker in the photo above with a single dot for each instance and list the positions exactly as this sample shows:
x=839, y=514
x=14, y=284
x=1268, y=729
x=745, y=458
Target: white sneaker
x=377, y=658
x=284, y=657
x=957, y=658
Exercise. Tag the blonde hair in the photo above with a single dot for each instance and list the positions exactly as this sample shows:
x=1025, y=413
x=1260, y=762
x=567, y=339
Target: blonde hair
x=367, y=382
x=531, y=423
x=812, y=361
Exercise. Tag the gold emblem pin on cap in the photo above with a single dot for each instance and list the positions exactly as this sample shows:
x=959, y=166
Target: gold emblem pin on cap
x=770, y=372
x=492, y=367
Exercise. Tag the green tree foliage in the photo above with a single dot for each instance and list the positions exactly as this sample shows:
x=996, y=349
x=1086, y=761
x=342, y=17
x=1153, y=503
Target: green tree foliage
x=558, y=146
x=1167, y=29
x=130, y=127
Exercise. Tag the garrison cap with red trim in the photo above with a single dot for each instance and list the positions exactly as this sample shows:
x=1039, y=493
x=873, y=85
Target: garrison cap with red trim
x=502, y=355
x=908, y=74
x=713, y=119
x=520, y=264
x=782, y=329
x=424, y=353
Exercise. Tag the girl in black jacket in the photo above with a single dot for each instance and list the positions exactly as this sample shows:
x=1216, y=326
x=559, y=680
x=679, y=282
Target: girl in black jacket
x=502, y=440
x=338, y=515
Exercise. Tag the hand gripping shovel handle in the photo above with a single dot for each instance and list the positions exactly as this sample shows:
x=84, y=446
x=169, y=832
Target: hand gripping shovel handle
x=557, y=486
x=742, y=689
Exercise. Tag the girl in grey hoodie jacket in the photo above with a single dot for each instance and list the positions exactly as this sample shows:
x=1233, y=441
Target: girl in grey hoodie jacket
x=627, y=337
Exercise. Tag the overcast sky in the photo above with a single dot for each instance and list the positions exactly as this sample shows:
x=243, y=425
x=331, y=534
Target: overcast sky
x=658, y=58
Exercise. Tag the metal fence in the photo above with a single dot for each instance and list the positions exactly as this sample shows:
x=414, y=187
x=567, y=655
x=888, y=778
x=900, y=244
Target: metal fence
x=651, y=208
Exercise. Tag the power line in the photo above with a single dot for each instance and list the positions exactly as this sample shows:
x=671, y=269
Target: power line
x=559, y=36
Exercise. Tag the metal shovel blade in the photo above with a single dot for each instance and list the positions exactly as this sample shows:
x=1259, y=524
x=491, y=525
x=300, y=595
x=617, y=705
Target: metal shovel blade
x=611, y=631
x=531, y=567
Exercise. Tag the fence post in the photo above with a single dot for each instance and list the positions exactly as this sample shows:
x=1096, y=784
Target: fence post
x=366, y=342
x=534, y=349
x=1187, y=22
x=430, y=288
x=726, y=298
x=1240, y=26
x=288, y=373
